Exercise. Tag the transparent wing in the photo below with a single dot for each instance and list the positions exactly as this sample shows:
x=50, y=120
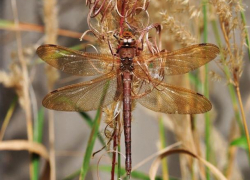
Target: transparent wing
x=180, y=61
x=84, y=96
x=170, y=99
x=77, y=62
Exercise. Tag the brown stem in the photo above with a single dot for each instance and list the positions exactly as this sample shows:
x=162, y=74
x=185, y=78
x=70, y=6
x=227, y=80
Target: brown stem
x=41, y=29
x=51, y=25
x=243, y=115
x=25, y=83
x=123, y=16
x=114, y=151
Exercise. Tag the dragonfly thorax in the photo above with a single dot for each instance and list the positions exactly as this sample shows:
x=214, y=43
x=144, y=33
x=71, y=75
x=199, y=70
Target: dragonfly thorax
x=126, y=56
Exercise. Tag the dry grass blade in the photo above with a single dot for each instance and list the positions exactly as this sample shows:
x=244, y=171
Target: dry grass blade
x=25, y=80
x=31, y=147
x=19, y=145
x=7, y=118
x=157, y=162
x=9, y=26
x=156, y=154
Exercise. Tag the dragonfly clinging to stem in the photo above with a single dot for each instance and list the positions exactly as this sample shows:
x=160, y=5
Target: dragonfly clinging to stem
x=128, y=75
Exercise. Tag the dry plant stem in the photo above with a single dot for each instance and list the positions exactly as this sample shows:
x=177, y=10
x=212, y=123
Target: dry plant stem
x=243, y=116
x=230, y=86
x=25, y=75
x=237, y=88
x=147, y=159
x=27, y=107
x=7, y=118
x=246, y=31
x=50, y=19
x=232, y=154
x=41, y=29
x=123, y=16
x=197, y=144
x=155, y=164
x=232, y=150
x=114, y=150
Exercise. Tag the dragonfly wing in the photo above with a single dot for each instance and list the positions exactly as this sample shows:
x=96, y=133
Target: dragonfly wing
x=180, y=61
x=76, y=62
x=84, y=96
x=170, y=99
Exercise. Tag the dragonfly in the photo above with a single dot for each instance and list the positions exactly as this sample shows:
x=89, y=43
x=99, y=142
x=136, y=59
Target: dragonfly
x=128, y=76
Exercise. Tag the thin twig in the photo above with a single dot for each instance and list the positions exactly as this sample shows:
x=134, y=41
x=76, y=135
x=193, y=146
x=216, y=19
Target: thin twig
x=243, y=116
x=51, y=25
x=37, y=28
x=27, y=107
x=7, y=118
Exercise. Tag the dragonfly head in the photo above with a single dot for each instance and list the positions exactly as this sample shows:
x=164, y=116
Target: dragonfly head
x=127, y=39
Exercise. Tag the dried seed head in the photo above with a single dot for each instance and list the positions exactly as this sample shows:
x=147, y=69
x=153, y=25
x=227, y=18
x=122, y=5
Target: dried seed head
x=180, y=33
x=215, y=76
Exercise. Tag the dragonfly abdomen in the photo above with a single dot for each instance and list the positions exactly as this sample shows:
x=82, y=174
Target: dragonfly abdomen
x=126, y=78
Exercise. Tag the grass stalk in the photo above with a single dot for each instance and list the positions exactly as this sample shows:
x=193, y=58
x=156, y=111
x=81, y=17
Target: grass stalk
x=23, y=63
x=10, y=26
x=134, y=174
x=93, y=135
x=25, y=83
x=7, y=117
x=90, y=146
x=243, y=17
x=119, y=160
x=163, y=145
x=38, y=133
x=243, y=116
x=231, y=89
x=51, y=26
x=206, y=91
x=90, y=122
x=122, y=19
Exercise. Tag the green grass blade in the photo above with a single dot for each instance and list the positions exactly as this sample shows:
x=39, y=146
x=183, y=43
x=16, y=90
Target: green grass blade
x=163, y=145
x=89, y=121
x=240, y=142
x=135, y=174
x=206, y=91
x=87, y=118
x=93, y=135
x=90, y=146
x=38, y=134
x=119, y=171
x=5, y=23
x=194, y=80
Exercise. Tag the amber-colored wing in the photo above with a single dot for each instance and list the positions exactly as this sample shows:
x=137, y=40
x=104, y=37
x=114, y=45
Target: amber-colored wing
x=77, y=62
x=180, y=61
x=84, y=96
x=170, y=99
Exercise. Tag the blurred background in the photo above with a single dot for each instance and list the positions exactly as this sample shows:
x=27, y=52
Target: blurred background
x=71, y=132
